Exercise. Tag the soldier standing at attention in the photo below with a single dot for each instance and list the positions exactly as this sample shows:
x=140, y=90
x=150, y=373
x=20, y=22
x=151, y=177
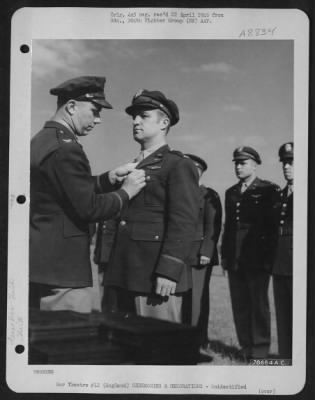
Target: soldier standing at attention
x=204, y=254
x=283, y=266
x=148, y=264
x=65, y=198
x=248, y=251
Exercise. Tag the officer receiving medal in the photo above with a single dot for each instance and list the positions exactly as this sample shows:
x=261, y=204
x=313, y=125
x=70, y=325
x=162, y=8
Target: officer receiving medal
x=148, y=265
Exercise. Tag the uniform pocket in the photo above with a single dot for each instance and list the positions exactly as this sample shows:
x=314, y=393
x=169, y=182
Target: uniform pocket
x=256, y=199
x=147, y=231
x=70, y=229
x=199, y=235
x=154, y=192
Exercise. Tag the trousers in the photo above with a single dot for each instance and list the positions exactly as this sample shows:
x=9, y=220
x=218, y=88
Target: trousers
x=282, y=286
x=251, y=311
x=48, y=298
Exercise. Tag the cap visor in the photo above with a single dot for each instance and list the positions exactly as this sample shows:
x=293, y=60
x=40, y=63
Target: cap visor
x=142, y=106
x=102, y=103
x=242, y=158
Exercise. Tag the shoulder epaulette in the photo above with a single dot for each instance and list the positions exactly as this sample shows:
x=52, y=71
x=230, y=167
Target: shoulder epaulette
x=178, y=153
x=232, y=187
x=211, y=192
x=64, y=139
x=269, y=183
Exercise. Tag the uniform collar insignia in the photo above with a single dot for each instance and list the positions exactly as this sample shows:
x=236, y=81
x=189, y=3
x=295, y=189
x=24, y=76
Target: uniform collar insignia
x=154, y=157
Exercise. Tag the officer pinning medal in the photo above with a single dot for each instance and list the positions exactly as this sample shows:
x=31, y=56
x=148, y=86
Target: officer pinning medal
x=66, y=199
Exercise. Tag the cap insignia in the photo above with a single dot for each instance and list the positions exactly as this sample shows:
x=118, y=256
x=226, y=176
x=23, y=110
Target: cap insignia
x=139, y=93
x=89, y=95
x=288, y=147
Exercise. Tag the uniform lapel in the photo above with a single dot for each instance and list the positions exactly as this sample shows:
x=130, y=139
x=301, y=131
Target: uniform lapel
x=252, y=186
x=154, y=158
x=236, y=189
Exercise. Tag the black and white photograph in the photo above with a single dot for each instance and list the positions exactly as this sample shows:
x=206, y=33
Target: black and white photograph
x=160, y=155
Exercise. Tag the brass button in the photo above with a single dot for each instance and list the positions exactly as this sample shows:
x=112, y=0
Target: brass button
x=238, y=204
x=237, y=218
x=284, y=204
x=281, y=222
x=237, y=210
x=123, y=223
x=148, y=177
x=156, y=237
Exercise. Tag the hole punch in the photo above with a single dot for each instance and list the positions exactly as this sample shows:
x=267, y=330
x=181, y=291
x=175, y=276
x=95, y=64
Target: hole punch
x=21, y=199
x=25, y=48
x=19, y=349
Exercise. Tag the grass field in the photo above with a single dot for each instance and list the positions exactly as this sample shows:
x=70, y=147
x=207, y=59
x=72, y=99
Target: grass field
x=222, y=335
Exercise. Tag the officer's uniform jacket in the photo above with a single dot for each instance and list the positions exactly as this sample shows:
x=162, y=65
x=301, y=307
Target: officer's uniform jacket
x=284, y=219
x=209, y=227
x=65, y=199
x=249, y=237
x=157, y=227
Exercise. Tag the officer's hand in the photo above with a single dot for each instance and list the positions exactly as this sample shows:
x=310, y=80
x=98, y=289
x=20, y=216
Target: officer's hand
x=164, y=286
x=119, y=174
x=204, y=260
x=134, y=182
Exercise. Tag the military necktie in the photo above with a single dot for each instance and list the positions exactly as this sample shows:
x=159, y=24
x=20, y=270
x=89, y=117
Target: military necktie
x=139, y=158
x=290, y=189
x=243, y=187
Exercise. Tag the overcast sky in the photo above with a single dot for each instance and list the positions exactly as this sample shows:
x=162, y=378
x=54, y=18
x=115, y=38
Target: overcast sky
x=229, y=93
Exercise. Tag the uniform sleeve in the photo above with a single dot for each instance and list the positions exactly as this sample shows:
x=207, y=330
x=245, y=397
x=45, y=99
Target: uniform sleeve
x=70, y=176
x=212, y=224
x=103, y=184
x=181, y=219
x=271, y=223
x=226, y=228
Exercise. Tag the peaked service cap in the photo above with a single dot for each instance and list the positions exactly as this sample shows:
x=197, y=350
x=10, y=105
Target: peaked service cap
x=83, y=88
x=146, y=99
x=245, y=153
x=286, y=151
